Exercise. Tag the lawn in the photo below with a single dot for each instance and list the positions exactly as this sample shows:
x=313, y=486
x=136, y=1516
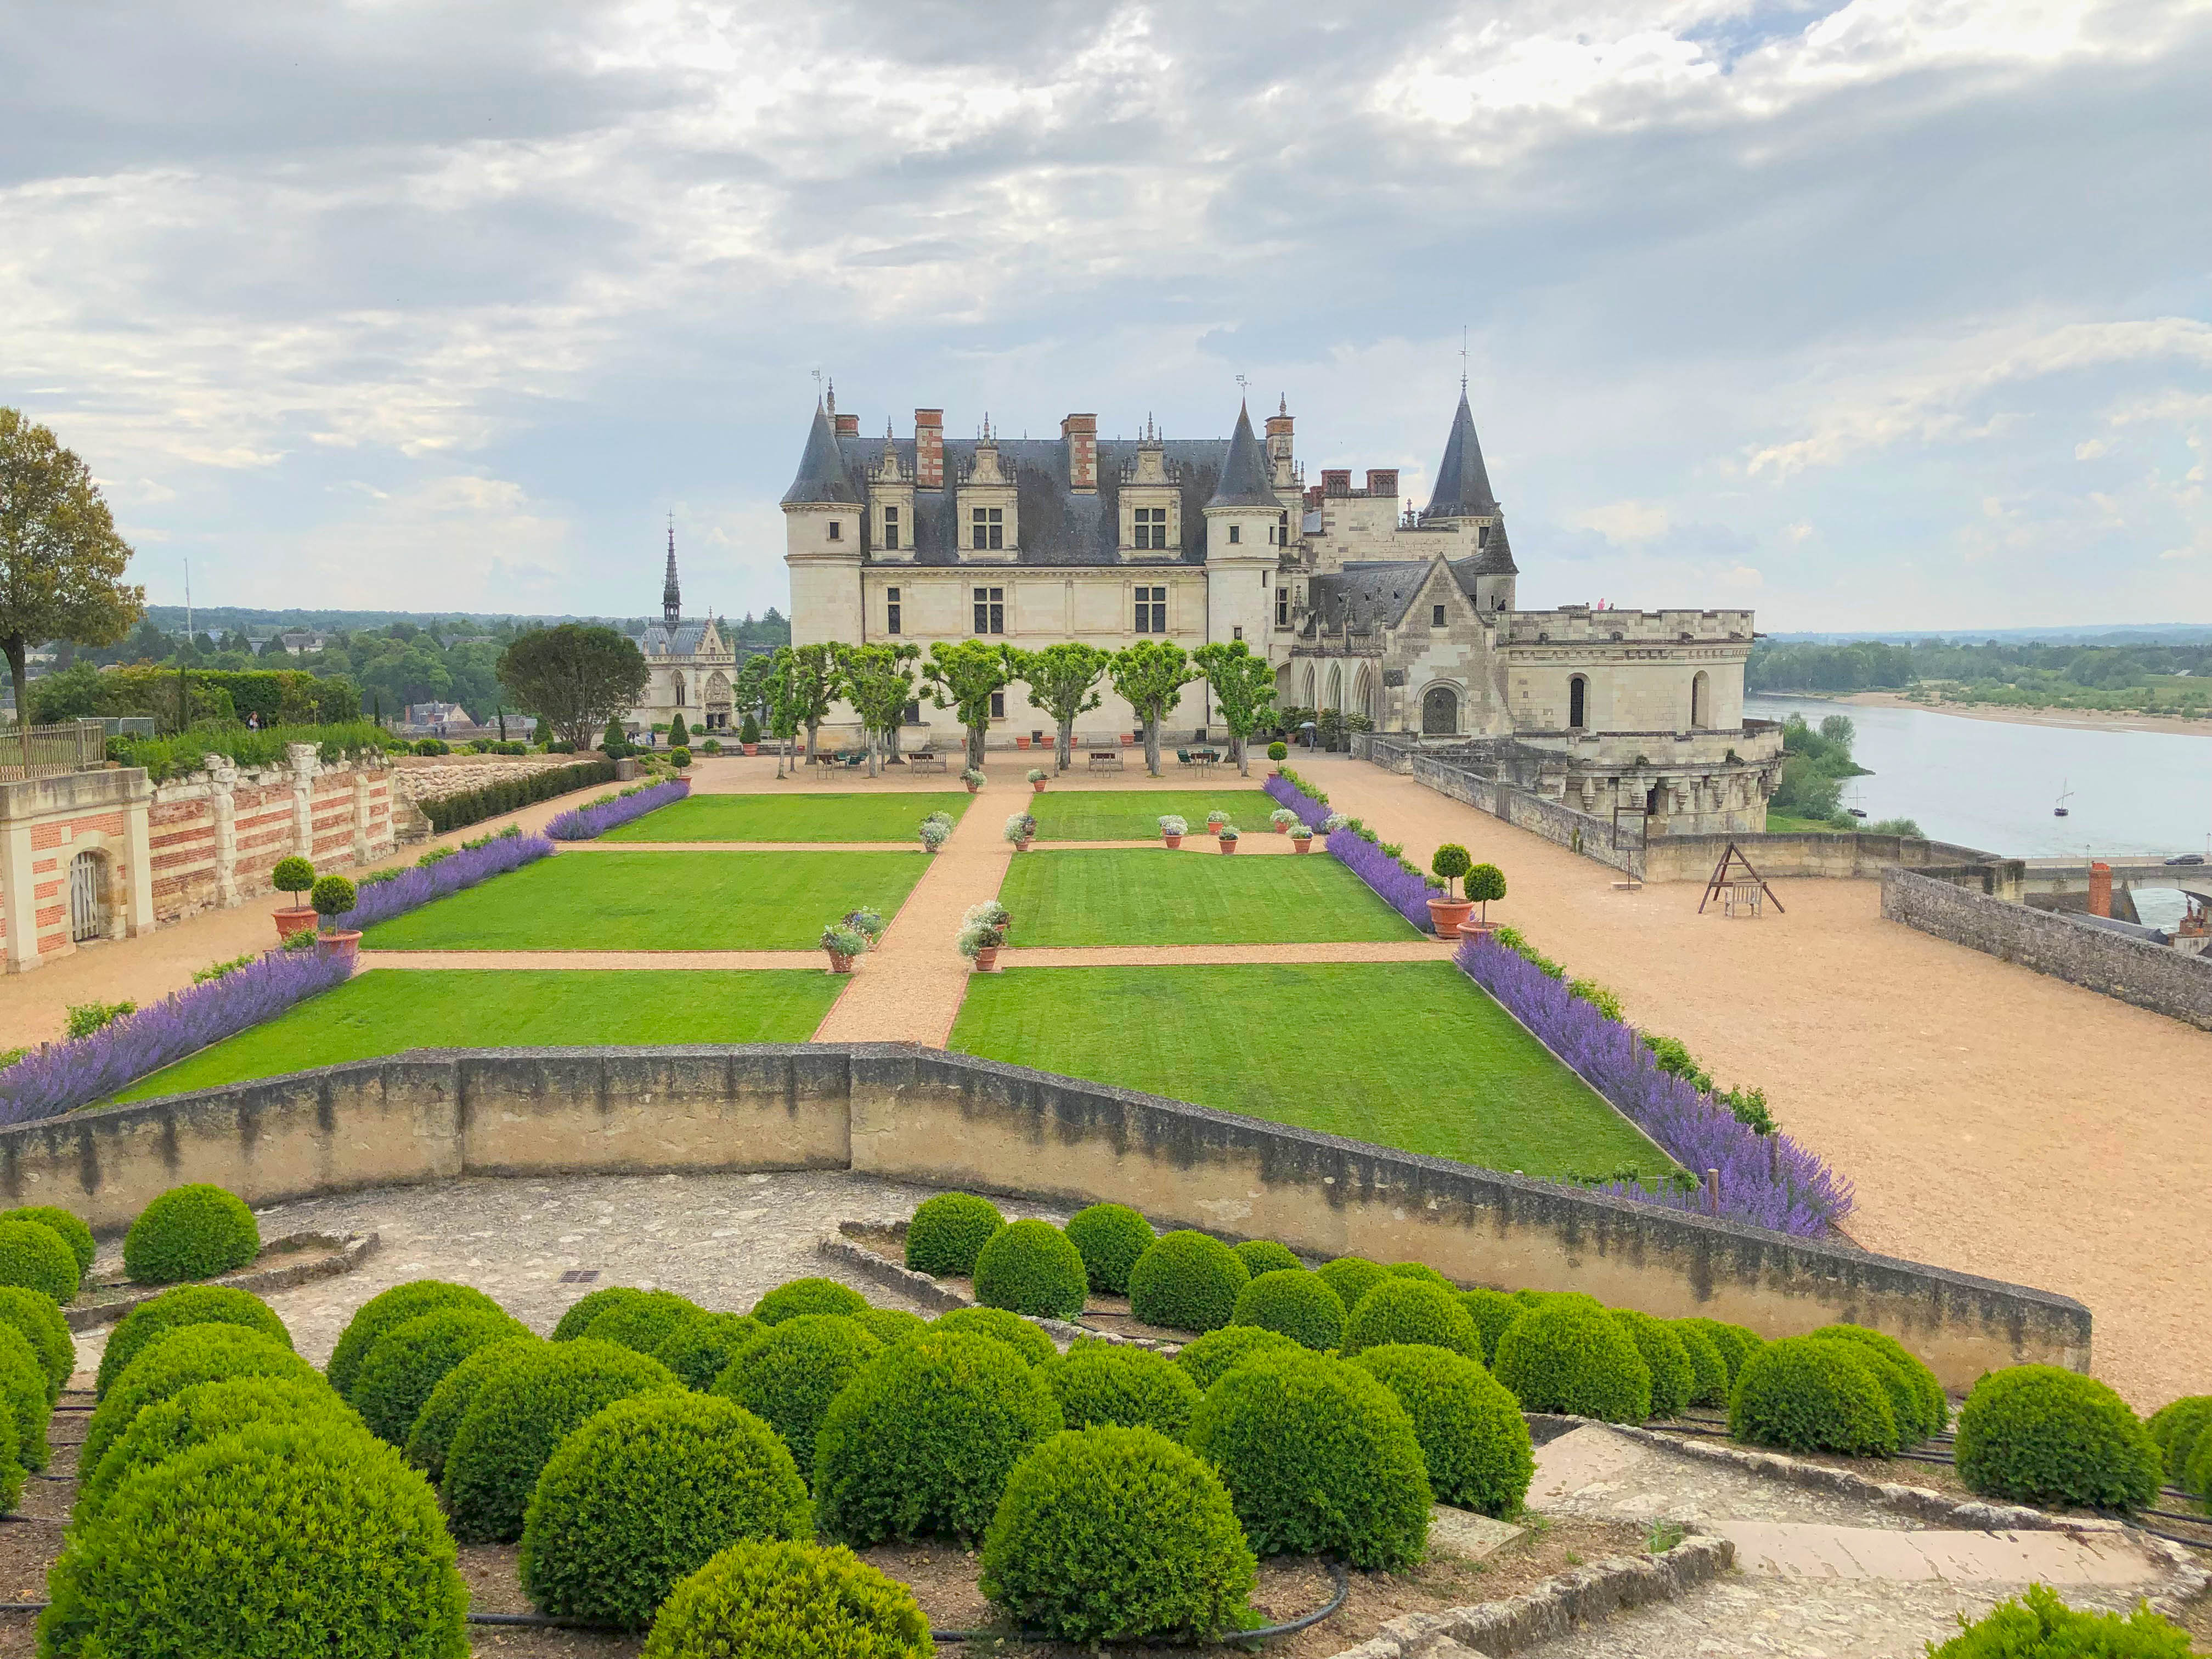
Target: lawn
x=1135, y=814
x=385, y=1011
x=1149, y=895
x=1407, y=1054
x=792, y=817
x=658, y=901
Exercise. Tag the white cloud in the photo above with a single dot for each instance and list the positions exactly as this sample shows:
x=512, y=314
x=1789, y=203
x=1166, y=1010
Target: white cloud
x=1624, y=521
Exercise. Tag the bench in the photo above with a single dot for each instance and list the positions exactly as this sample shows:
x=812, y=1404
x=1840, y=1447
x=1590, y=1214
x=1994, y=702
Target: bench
x=1742, y=898
x=926, y=760
x=1105, y=760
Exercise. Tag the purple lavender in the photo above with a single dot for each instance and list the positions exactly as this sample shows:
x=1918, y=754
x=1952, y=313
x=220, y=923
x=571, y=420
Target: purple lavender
x=590, y=823
x=380, y=901
x=1286, y=793
x=63, y=1076
x=1407, y=895
x=1765, y=1181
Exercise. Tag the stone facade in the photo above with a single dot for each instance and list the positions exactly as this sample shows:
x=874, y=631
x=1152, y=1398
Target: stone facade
x=73, y=862
x=694, y=669
x=1406, y=619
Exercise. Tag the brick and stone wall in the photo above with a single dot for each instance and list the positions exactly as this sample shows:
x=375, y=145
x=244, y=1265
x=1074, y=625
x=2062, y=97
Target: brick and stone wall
x=915, y=1113
x=215, y=837
x=2153, y=976
x=48, y=824
x=418, y=778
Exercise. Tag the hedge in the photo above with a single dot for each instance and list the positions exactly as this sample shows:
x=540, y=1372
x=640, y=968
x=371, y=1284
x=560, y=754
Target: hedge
x=1265, y=1255
x=2036, y=1434
x=1710, y=1371
x=193, y=1417
x=1401, y=1309
x=2175, y=1427
x=23, y=1396
x=74, y=1233
x=789, y=1601
x=1032, y=1345
x=1106, y=1384
x=1032, y=1268
x=890, y=1324
x=1674, y=1377
x=410, y=1359
x=1922, y=1408
x=1736, y=1343
x=1209, y=1356
x=2038, y=1626
x=641, y=1323
x=41, y=1324
x=1109, y=1237
x=440, y=1418
x=1568, y=1355
x=1351, y=1277
x=172, y=1363
x=577, y=1317
x=38, y=1259
x=1421, y=1271
x=1492, y=1312
x=188, y=1305
x=948, y=1232
x=808, y=1296
x=1297, y=1302
x=395, y=1307
x=1187, y=1281
x=1473, y=1439
x=1803, y=1393
x=788, y=1376
x=700, y=1348
x=469, y=806
x=194, y=1231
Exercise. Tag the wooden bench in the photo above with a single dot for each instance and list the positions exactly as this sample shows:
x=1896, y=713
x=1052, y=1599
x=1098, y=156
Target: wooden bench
x=1105, y=760
x=926, y=760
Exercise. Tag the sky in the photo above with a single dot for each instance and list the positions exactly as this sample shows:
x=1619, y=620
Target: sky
x=1884, y=314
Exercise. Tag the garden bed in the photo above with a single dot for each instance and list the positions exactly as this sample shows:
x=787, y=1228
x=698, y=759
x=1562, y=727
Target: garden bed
x=1135, y=814
x=792, y=818
x=293, y=1260
x=1147, y=896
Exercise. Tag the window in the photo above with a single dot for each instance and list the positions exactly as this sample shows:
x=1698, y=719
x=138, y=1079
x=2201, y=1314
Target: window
x=989, y=527
x=1236, y=633
x=836, y=530
x=1436, y=616
x=1282, y=607
x=990, y=610
x=679, y=691
x=890, y=533
x=1482, y=536
x=1152, y=527
x=1236, y=532
x=1577, y=703
x=891, y=605
x=911, y=714
x=1152, y=611
x=998, y=705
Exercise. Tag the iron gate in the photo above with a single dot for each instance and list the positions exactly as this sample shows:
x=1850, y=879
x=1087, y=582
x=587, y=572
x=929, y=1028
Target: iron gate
x=85, y=919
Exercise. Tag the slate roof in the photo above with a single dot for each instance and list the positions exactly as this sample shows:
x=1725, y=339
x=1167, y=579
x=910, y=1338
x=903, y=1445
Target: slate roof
x=1375, y=593
x=822, y=478
x=683, y=640
x=1462, y=482
x=1244, y=477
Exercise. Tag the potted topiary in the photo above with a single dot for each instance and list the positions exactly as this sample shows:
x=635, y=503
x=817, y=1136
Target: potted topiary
x=843, y=944
x=1037, y=776
x=679, y=757
x=980, y=938
x=1485, y=882
x=1282, y=817
x=1302, y=839
x=973, y=777
x=1173, y=829
x=1451, y=912
x=294, y=875
x=1226, y=834
x=1021, y=829
x=333, y=897
x=936, y=830
x=748, y=735
x=1278, y=753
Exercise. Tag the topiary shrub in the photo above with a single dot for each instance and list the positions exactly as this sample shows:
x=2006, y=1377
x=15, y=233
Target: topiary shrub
x=922, y=1440
x=193, y=1417
x=439, y=1420
x=285, y=1537
x=72, y=1230
x=1032, y=1345
x=2175, y=1428
x=1736, y=1343
x=589, y=1306
x=788, y=1376
x=1109, y=1237
x=1567, y=1355
x=1031, y=1268
x=1351, y=1277
x=38, y=1258
x=1298, y=1303
x=1709, y=1386
x=789, y=1601
x=644, y=1494
x=1419, y=1270
x=396, y=1307
x=641, y=1323
x=195, y=1231
x=1922, y=1408
x=1401, y=1309
x=2196, y=1477
x=1319, y=1458
x=520, y=1414
x=1104, y=1383
x=410, y=1360
x=1187, y=1281
x=1473, y=1440
x=24, y=1396
x=1492, y=1312
x=2038, y=1626
x=1264, y=1255
x=189, y=1304
x=1115, y=1534
x=39, y=1323
x=1207, y=1356
x=890, y=1324
x=809, y=1295
x=175, y=1360
x=949, y=1232
x=1673, y=1378
x=1804, y=1394
x=700, y=1348
x=2036, y=1434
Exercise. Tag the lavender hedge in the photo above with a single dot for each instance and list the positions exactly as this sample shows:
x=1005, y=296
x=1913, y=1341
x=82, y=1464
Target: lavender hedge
x=380, y=901
x=63, y=1076
x=589, y=823
x=1765, y=1181
x=1407, y=895
x=1310, y=812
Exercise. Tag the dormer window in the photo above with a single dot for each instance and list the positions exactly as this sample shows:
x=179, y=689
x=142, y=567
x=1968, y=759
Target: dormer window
x=988, y=525
x=1436, y=616
x=1482, y=536
x=890, y=529
x=1151, y=526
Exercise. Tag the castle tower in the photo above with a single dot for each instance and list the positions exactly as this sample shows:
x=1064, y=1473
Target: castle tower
x=1242, y=522
x=822, y=513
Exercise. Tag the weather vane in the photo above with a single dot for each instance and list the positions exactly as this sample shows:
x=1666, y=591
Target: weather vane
x=1462, y=359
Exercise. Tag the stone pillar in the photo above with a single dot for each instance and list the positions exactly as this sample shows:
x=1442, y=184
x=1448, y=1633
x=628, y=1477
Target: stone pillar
x=299, y=760
x=360, y=780
x=222, y=809
x=2100, y=889
x=136, y=911
x=21, y=952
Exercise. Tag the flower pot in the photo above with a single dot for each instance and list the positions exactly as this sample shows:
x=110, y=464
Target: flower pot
x=1278, y=828
x=986, y=959
x=839, y=962
x=1172, y=841
x=752, y=749
x=1228, y=846
x=293, y=919
x=973, y=787
x=1448, y=915
x=1303, y=844
x=1477, y=929
x=1036, y=788
x=347, y=945
x=1023, y=844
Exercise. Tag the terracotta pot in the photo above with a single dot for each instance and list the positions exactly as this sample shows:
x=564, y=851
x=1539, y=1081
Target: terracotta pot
x=1172, y=841
x=973, y=787
x=1448, y=915
x=1228, y=846
x=752, y=749
x=346, y=944
x=1477, y=929
x=1021, y=742
x=986, y=959
x=1023, y=844
x=1036, y=786
x=1303, y=844
x=293, y=919
x=839, y=962
x=1278, y=828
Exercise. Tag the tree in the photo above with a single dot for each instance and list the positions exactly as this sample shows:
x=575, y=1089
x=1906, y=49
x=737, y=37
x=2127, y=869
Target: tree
x=679, y=735
x=1243, y=688
x=577, y=677
x=1062, y=681
x=750, y=690
x=1150, y=675
x=60, y=557
x=878, y=681
x=1452, y=861
x=811, y=675
x=783, y=710
x=962, y=676
x=1485, y=882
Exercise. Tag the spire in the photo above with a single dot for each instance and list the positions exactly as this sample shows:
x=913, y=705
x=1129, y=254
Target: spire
x=821, y=480
x=1462, y=485
x=1244, y=474
x=672, y=600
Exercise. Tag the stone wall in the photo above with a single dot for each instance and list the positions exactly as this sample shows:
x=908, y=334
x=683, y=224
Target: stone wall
x=215, y=835
x=915, y=1113
x=2153, y=976
x=45, y=825
x=418, y=778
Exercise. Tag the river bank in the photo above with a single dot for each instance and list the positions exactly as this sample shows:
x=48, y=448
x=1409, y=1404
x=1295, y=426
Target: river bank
x=2075, y=719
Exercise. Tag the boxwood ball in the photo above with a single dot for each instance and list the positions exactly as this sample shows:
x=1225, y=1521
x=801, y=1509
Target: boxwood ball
x=195, y=1231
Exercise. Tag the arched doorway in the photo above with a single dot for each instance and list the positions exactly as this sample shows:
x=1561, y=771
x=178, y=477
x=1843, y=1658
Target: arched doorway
x=1701, y=699
x=1577, y=703
x=88, y=897
x=1308, y=701
x=719, y=706
x=1335, y=687
x=1440, y=712
x=1363, y=693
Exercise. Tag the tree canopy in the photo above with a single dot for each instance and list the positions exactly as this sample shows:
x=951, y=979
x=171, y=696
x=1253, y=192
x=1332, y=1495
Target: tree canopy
x=1150, y=675
x=961, y=675
x=1243, y=688
x=1063, y=681
x=575, y=678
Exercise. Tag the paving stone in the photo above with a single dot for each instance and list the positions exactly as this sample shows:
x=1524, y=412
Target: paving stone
x=1794, y=1549
x=1463, y=1533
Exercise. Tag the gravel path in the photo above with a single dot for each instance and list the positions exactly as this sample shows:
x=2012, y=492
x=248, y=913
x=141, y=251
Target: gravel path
x=1179, y=956
x=717, y=960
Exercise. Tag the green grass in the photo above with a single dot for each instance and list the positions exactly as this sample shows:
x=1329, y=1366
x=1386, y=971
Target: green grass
x=658, y=901
x=1407, y=1054
x=387, y=1010
x=1135, y=814
x=1781, y=823
x=792, y=817
x=1149, y=895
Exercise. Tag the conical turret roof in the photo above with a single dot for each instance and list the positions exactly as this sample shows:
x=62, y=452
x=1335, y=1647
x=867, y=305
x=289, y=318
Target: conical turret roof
x=1462, y=483
x=821, y=477
x=1244, y=477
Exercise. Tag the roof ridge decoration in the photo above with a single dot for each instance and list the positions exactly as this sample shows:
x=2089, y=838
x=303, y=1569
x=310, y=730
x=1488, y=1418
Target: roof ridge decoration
x=822, y=480
x=1244, y=475
x=1462, y=489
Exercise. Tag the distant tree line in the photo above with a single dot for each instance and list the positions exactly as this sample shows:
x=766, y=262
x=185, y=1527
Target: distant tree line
x=2028, y=673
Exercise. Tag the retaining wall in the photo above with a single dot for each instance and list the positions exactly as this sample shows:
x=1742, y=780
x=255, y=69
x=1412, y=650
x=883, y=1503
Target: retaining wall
x=913, y=1113
x=2153, y=976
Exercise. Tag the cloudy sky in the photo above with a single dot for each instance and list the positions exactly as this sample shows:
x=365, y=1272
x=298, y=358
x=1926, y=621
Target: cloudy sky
x=1890, y=314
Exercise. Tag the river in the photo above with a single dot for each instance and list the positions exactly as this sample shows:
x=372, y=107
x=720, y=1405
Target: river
x=1991, y=784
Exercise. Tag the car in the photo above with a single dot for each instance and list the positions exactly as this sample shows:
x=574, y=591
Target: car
x=2187, y=858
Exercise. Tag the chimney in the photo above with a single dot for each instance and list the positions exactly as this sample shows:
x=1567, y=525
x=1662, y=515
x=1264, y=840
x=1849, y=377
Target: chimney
x=1080, y=434
x=1313, y=496
x=929, y=449
x=2100, y=889
x=1382, y=481
x=1336, y=481
x=848, y=426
